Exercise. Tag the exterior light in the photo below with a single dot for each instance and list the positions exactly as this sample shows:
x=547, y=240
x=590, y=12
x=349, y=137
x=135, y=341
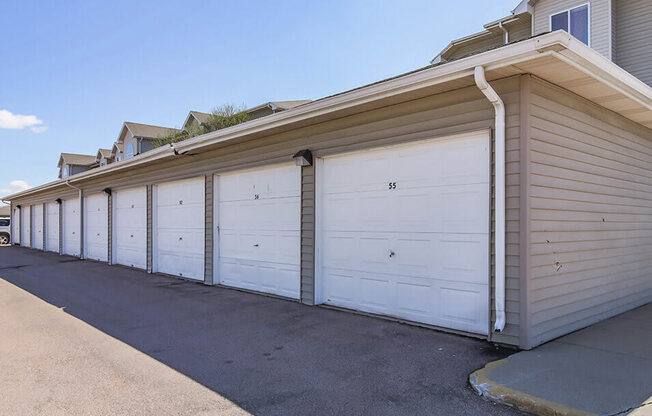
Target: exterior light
x=303, y=158
x=107, y=191
x=58, y=201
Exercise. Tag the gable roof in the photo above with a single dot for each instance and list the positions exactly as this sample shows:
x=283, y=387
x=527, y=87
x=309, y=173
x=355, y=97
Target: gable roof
x=117, y=147
x=198, y=116
x=145, y=131
x=76, y=159
x=279, y=105
x=103, y=153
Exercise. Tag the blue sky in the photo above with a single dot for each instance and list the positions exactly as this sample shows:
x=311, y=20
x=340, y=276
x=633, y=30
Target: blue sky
x=81, y=68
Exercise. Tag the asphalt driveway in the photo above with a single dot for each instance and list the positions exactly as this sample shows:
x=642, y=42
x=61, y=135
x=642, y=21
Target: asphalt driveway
x=268, y=356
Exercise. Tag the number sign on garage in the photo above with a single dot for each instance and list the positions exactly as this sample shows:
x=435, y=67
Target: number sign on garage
x=180, y=216
x=404, y=231
x=259, y=214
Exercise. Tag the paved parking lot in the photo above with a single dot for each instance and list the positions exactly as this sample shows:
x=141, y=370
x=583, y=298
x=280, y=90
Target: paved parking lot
x=266, y=355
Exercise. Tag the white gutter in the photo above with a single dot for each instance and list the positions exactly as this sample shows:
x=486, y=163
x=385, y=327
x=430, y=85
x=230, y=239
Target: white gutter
x=499, y=196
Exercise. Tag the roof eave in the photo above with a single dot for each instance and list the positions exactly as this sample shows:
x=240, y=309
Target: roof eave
x=558, y=44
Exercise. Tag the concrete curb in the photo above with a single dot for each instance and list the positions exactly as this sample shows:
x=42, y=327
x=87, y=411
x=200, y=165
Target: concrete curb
x=522, y=401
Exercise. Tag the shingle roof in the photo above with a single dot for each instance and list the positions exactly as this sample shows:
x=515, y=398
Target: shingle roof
x=201, y=117
x=76, y=159
x=286, y=105
x=148, y=131
x=105, y=153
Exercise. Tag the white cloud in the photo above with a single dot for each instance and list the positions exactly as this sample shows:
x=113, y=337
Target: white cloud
x=15, y=186
x=8, y=120
x=39, y=129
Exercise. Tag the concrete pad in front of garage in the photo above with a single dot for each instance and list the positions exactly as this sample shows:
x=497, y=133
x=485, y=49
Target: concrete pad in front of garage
x=52, y=363
x=268, y=356
x=604, y=369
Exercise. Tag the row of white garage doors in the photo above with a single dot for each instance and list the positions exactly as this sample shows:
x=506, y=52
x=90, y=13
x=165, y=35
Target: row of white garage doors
x=401, y=231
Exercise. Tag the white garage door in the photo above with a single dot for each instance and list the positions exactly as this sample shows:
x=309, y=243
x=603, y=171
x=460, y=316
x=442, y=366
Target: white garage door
x=130, y=227
x=71, y=219
x=404, y=232
x=25, y=229
x=180, y=216
x=15, y=227
x=37, y=226
x=52, y=227
x=96, y=223
x=259, y=222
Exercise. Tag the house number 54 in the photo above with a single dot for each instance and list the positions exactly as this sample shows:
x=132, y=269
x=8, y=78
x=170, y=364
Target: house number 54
x=392, y=185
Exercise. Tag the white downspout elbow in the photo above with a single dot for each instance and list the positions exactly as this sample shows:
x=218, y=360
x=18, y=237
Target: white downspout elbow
x=499, y=194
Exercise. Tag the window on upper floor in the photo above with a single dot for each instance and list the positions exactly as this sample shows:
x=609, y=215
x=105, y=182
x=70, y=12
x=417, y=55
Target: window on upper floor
x=64, y=171
x=129, y=151
x=574, y=21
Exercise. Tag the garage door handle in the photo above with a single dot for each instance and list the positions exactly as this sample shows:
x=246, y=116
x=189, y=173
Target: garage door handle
x=255, y=245
x=391, y=254
x=180, y=238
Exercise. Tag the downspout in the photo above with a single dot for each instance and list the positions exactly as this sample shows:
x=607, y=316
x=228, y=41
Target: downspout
x=499, y=197
x=506, y=37
x=81, y=219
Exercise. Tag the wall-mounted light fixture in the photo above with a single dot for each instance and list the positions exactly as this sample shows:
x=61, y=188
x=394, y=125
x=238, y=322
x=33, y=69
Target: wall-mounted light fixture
x=303, y=158
x=18, y=206
x=107, y=191
x=58, y=201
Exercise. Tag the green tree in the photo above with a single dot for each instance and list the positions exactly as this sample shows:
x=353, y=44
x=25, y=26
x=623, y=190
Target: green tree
x=226, y=115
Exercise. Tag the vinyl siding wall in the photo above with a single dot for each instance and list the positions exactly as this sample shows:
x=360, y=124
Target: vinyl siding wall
x=600, y=22
x=589, y=214
x=633, y=38
x=458, y=111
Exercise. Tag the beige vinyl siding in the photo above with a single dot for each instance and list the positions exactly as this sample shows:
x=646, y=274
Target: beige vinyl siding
x=308, y=235
x=599, y=20
x=462, y=110
x=634, y=38
x=590, y=214
x=208, y=229
x=149, y=210
x=109, y=202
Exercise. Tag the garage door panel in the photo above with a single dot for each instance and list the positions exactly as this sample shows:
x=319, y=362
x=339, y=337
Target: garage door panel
x=405, y=227
x=269, y=277
x=180, y=222
x=37, y=220
x=259, y=215
x=96, y=221
x=25, y=229
x=130, y=227
x=71, y=227
x=52, y=227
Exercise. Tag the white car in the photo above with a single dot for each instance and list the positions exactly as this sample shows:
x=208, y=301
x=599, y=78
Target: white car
x=5, y=231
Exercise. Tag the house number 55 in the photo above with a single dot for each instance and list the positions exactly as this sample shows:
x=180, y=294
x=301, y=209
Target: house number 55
x=392, y=185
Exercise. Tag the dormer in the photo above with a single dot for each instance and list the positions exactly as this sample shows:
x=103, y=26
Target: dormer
x=103, y=157
x=71, y=164
x=117, y=153
x=195, y=119
x=137, y=138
